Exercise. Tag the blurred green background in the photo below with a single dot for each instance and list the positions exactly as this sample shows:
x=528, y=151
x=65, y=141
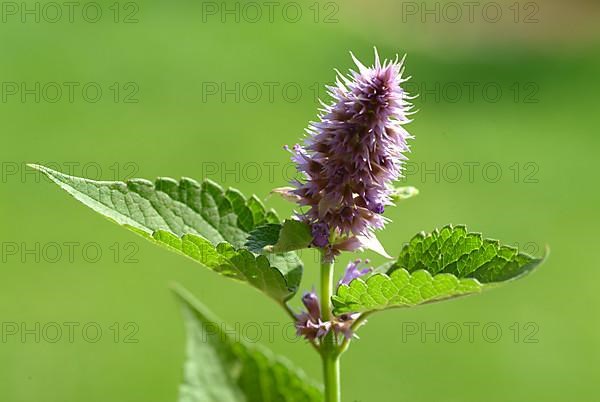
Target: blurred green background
x=505, y=142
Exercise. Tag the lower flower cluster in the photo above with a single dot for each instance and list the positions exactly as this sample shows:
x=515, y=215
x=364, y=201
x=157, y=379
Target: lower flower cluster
x=309, y=323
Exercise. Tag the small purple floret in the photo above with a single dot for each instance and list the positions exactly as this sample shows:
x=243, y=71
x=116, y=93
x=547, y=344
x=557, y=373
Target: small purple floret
x=343, y=324
x=311, y=302
x=377, y=207
x=309, y=323
x=320, y=233
x=352, y=272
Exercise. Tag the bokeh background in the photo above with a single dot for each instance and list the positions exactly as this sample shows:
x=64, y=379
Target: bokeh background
x=506, y=141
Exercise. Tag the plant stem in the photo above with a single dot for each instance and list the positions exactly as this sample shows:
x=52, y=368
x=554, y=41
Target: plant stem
x=326, y=290
x=331, y=371
x=329, y=352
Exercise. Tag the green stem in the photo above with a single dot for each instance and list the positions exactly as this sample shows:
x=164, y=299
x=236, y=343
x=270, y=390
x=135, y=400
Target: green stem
x=331, y=371
x=326, y=290
x=329, y=349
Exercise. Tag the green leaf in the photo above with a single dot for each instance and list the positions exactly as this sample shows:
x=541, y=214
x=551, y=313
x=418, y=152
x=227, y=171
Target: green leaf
x=276, y=238
x=444, y=264
x=263, y=236
x=201, y=221
x=403, y=193
x=219, y=368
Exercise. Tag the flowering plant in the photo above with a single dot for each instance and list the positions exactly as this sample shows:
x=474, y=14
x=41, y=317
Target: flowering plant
x=349, y=161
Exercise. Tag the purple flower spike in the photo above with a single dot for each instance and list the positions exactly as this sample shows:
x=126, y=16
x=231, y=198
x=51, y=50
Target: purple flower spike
x=354, y=152
x=352, y=272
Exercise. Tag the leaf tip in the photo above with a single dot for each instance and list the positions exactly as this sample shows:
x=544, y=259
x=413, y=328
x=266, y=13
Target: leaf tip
x=189, y=303
x=40, y=168
x=179, y=291
x=546, y=253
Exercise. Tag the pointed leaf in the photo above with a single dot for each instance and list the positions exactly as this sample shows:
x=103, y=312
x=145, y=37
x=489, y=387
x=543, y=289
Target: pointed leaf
x=219, y=368
x=287, y=193
x=276, y=238
x=200, y=220
x=371, y=242
x=446, y=263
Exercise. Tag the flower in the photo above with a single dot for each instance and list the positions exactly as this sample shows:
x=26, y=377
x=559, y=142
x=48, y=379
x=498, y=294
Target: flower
x=352, y=272
x=312, y=304
x=342, y=325
x=354, y=152
x=308, y=323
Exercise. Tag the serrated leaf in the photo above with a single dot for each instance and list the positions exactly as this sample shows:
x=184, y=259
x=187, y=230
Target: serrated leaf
x=277, y=238
x=238, y=264
x=220, y=368
x=446, y=263
x=199, y=220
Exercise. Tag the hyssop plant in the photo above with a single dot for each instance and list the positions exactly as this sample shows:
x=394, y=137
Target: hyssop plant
x=349, y=160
